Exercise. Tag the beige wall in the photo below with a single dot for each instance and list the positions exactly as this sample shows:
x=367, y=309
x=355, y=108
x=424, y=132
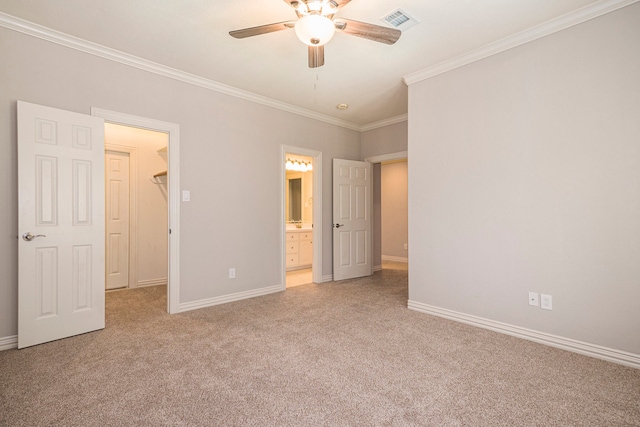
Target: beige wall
x=529, y=180
x=384, y=140
x=394, y=220
x=230, y=161
x=151, y=222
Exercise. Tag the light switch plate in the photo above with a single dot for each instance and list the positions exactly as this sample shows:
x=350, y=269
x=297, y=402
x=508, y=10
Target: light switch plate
x=186, y=195
x=533, y=299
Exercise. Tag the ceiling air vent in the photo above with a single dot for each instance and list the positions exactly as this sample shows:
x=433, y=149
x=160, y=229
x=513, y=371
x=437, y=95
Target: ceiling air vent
x=399, y=19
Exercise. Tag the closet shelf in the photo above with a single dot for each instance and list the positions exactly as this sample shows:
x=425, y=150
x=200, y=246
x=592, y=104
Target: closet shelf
x=163, y=173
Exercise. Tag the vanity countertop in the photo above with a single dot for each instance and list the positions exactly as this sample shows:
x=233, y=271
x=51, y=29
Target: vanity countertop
x=291, y=227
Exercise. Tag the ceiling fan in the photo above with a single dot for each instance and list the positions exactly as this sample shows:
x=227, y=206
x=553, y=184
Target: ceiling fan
x=315, y=26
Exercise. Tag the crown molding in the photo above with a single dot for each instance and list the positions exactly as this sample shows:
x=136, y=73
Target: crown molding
x=385, y=122
x=552, y=26
x=53, y=36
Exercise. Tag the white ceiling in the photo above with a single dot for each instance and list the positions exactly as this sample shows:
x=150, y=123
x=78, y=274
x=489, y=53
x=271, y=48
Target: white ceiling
x=192, y=36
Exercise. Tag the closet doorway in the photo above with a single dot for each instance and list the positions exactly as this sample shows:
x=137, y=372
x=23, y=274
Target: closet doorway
x=390, y=242
x=136, y=214
x=170, y=177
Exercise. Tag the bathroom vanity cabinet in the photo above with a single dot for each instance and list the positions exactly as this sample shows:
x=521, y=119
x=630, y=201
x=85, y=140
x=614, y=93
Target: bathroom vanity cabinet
x=299, y=245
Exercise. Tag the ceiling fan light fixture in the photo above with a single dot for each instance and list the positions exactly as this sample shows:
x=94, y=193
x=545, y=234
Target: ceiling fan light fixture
x=315, y=30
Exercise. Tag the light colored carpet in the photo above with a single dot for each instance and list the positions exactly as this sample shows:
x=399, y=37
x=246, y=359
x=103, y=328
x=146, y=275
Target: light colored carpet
x=335, y=354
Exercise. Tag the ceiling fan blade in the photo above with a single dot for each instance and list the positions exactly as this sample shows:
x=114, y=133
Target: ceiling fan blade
x=373, y=32
x=316, y=56
x=261, y=29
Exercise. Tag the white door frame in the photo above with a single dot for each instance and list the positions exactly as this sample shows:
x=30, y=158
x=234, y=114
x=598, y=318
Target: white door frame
x=400, y=155
x=317, y=210
x=133, y=208
x=173, y=197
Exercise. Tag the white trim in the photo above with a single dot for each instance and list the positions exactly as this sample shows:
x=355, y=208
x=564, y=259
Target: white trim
x=53, y=36
x=8, y=343
x=316, y=267
x=173, y=200
x=209, y=302
x=400, y=155
x=377, y=268
x=386, y=122
x=327, y=278
x=560, y=23
x=133, y=208
x=152, y=282
x=395, y=258
x=587, y=349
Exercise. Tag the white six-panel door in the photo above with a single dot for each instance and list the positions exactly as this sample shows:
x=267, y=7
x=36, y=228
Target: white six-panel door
x=352, y=208
x=61, y=224
x=117, y=220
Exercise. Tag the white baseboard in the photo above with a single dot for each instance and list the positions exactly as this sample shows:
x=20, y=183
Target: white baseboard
x=8, y=343
x=327, y=278
x=209, y=302
x=299, y=267
x=377, y=268
x=587, y=349
x=395, y=258
x=151, y=282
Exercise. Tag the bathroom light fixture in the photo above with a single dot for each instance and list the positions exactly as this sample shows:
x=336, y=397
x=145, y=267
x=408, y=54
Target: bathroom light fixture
x=298, y=165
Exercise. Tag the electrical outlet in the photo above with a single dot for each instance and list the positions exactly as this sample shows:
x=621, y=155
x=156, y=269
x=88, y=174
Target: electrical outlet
x=546, y=302
x=533, y=299
x=406, y=246
x=232, y=273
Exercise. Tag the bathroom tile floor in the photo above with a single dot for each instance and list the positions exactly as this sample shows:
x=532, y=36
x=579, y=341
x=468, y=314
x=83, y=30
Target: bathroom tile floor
x=299, y=277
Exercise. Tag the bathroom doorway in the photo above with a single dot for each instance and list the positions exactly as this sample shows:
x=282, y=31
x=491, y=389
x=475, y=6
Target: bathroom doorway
x=301, y=217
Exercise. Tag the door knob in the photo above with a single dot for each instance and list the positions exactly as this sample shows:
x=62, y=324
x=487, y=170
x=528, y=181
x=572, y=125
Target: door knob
x=338, y=225
x=29, y=237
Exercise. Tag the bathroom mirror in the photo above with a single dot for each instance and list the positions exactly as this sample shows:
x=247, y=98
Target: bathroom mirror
x=295, y=199
x=298, y=193
x=298, y=188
